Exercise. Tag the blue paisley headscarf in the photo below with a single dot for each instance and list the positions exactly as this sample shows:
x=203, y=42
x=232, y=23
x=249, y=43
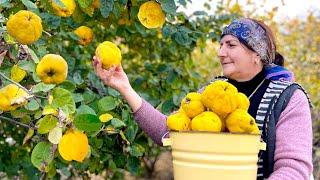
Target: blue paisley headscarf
x=253, y=36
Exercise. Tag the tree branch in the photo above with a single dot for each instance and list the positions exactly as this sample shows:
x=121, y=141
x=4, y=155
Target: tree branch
x=5, y=77
x=28, y=91
x=47, y=33
x=15, y=122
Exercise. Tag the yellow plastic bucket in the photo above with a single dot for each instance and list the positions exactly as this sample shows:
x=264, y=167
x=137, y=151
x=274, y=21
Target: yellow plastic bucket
x=207, y=155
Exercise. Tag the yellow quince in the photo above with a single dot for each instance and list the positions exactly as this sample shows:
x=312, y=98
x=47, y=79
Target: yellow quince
x=25, y=27
x=151, y=15
x=206, y=121
x=85, y=34
x=255, y=130
x=243, y=101
x=52, y=69
x=192, y=104
x=240, y=121
x=109, y=54
x=73, y=146
x=178, y=121
x=220, y=97
x=67, y=10
x=12, y=97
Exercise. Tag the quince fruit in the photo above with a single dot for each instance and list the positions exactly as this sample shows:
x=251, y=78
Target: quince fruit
x=220, y=97
x=243, y=101
x=12, y=97
x=192, y=104
x=85, y=34
x=67, y=10
x=52, y=69
x=240, y=121
x=151, y=15
x=206, y=121
x=25, y=27
x=73, y=146
x=178, y=121
x=109, y=54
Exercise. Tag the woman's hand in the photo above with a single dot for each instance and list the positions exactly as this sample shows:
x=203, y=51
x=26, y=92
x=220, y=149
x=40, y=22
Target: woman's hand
x=113, y=77
x=116, y=78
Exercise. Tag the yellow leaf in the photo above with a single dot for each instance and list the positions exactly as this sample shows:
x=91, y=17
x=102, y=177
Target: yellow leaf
x=28, y=135
x=124, y=137
x=55, y=135
x=17, y=74
x=50, y=99
x=49, y=110
x=105, y=117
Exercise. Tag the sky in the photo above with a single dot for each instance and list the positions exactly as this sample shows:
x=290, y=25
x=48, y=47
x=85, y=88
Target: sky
x=290, y=8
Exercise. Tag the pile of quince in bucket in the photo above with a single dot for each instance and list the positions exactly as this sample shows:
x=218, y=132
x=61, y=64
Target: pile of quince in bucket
x=219, y=108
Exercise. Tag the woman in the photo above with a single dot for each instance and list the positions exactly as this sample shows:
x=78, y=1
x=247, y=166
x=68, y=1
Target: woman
x=247, y=54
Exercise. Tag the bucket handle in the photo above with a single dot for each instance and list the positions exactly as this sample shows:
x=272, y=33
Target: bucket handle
x=262, y=146
x=166, y=142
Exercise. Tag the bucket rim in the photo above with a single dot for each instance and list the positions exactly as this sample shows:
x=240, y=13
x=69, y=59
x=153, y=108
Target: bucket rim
x=210, y=132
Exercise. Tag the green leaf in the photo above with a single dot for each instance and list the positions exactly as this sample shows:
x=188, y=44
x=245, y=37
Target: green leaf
x=68, y=85
x=140, y=29
x=87, y=122
x=77, y=78
x=168, y=30
x=32, y=105
x=106, y=6
x=131, y=133
x=77, y=97
x=63, y=99
x=42, y=156
x=183, y=3
x=169, y=6
x=30, y=5
x=182, y=36
x=33, y=55
x=177, y=98
x=5, y=3
x=84, y=3
x=200, y=13
x=117, y=123
x=85, y=109
x=52, y=21
x=167, y=106
x=89, y=96
x=120, y=160
x=136, y=150
x=113, y=92
x=133, y=165
x=107, y=103
x=46, y=123
x=27, y=65
x=19, y=113
x=42, y=87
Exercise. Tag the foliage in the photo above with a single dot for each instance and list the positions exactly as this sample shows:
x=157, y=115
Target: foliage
x=159, y=65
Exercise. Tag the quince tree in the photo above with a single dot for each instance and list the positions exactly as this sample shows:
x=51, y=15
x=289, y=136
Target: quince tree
x=57, y=119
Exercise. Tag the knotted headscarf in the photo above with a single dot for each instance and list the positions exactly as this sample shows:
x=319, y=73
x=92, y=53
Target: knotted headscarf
x=253, y=36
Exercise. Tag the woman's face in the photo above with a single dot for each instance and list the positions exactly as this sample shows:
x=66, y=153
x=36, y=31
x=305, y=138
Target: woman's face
x=238, y=62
